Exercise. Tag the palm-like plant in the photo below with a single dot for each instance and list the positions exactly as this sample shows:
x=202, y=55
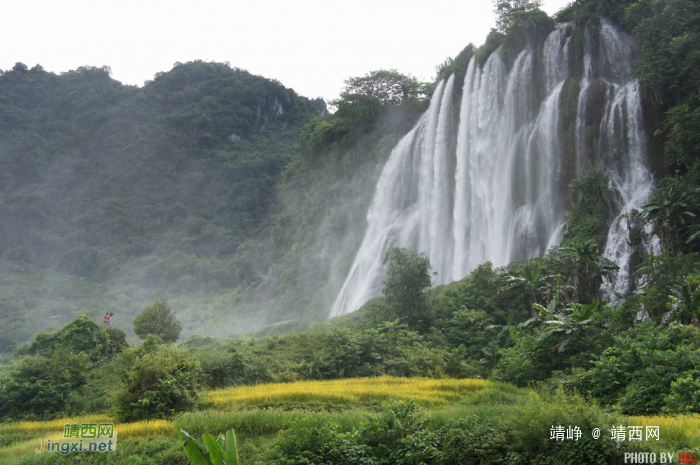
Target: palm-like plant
x=529, y=279
x=686, y=301
x=670, y=209
x=220, y=451
x=574, y=318
x=588, y=269
x=556, y=289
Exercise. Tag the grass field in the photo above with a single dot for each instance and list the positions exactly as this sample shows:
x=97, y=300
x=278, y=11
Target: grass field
x=257, y=413
x=362, y=391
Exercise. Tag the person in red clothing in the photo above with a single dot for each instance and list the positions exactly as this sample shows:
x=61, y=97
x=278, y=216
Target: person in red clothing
x=106, y=319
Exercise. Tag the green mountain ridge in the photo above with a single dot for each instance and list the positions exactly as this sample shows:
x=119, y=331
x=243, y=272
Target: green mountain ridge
x=156, y=191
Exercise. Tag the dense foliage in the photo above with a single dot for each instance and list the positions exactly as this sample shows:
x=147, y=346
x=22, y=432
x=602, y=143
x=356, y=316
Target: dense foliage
x=401, y=434
x=160, y=384
x=49, y=373
x=504, y=10
x=142, y=192
x=196, y=213
x=158, y=319
x=408, y=277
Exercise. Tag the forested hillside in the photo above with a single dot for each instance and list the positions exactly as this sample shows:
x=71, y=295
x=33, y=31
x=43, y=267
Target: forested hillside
x=244, y=204
x=194, y=188
x=113, y=194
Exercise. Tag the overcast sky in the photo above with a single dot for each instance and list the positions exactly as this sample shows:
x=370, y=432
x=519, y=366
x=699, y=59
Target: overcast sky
x=309, y=45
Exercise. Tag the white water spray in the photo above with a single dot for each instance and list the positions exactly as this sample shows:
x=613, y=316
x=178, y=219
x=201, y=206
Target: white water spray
x=505, y=198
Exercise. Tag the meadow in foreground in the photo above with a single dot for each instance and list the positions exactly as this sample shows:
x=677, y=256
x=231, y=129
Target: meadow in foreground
x=518, y=420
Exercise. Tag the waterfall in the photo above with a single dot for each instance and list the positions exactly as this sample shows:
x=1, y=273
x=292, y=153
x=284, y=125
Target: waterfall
x=490, y=184
x=622, y=134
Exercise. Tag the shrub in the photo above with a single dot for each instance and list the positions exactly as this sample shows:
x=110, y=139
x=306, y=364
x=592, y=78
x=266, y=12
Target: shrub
x=80, y=335
x=221, y=368
x=387, y=349
x=408, y=276
x=159, y=385
x=158, y=319
x=312, y=440
x=117, y=340
x=527, y=28
x=468, y=328
x=587, y=210
x=684, y=396
x=475, y=441
x=151, y=344
x=638, y=370
x=522, y=364
x=396, y=436
x=39, y=387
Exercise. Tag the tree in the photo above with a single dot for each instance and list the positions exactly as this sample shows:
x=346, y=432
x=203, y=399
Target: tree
x=408, y=276
x=528, y=279
x=40, y=387
x=160, y=384
x=365, y=96
x=385, y=87
x=80, y=335
x=671, y=211
x=158, y=319
x=504, y=8
x=587, y=269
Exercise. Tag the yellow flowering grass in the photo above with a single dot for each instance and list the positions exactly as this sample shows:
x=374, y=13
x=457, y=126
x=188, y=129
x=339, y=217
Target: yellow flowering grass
x=144, y=428
x=126, y=430
x=427, y=392
x=25, y=446
x=24, y=427
x=442, y=399
x=679, y=428
x=28, y=433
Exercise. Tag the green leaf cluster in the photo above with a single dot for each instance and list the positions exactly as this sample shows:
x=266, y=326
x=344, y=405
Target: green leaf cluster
x=158, y=319
x=219, y=451
x=159, y=384
x=637, y=371
x=588, y=211
x=408, y=277
x=398, y=435
x=390, y=349
x=49, y=375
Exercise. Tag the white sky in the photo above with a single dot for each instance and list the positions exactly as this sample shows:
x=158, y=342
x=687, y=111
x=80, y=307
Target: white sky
x=308, y=45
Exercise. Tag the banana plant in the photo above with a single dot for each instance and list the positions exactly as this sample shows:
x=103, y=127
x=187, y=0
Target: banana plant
x=504, y=329
x=219, y=451
x=575, y=318
x=528, y=279
x=687, y=301
x=670, y=209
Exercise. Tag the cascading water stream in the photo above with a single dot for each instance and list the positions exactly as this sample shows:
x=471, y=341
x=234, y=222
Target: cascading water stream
x=505, y=198
x=622, y=132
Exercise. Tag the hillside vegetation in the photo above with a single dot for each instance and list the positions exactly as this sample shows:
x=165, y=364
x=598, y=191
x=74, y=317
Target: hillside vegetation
x=193, y=188
x=485, y=422
x=117, y=194
x=476, y=371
